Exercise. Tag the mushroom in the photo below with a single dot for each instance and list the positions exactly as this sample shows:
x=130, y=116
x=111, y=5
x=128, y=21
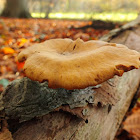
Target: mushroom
x=69, y=64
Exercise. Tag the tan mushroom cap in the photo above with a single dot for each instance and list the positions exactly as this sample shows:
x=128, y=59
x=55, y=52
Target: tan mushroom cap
x=69, y=64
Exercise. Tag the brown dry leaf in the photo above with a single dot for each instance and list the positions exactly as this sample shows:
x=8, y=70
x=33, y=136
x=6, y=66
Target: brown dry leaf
x=69, y=64
x=5, y=134
x=132, y=124
x=82, y=35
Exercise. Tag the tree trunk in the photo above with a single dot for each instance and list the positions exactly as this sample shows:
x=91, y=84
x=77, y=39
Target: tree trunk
x=49, y=7
x=16, y=9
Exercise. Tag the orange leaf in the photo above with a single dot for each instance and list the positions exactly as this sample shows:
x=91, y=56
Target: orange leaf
x=8, y=50
x=21, y=42
x=9, y=42
x=20, y=65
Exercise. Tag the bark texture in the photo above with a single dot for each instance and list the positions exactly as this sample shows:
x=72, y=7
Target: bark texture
x=16, y=8
x=25, y=99
x=102, y=123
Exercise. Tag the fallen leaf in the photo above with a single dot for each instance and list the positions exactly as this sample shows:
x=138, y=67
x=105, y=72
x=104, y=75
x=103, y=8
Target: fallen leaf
x=4, y=82
x=21, y=42
x=5, y=134
x=132, y=123
x=20, y=65
x=8, y=50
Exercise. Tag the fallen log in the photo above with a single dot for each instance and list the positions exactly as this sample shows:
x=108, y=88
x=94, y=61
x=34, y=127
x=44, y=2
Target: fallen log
x=99, y=24
x=102, y=123
x=102, y=119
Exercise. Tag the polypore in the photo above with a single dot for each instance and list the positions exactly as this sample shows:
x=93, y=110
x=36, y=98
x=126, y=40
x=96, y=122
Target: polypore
x=69, y=64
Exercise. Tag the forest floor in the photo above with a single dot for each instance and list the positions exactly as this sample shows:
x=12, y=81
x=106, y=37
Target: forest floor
x=18, y=34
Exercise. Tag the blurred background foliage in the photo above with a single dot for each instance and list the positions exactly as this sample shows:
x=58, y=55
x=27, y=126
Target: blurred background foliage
x=115, y=10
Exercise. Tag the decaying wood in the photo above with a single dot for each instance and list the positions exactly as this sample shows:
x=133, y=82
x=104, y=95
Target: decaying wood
x=25, y=99
x=103, y=121
x=101, y=124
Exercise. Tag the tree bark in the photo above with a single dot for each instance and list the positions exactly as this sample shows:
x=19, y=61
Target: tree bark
x=102, y=124
x=49, y=8
x=16, y=9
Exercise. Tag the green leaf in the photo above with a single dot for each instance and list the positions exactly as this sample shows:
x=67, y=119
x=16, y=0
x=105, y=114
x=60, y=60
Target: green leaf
x=4, y=82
